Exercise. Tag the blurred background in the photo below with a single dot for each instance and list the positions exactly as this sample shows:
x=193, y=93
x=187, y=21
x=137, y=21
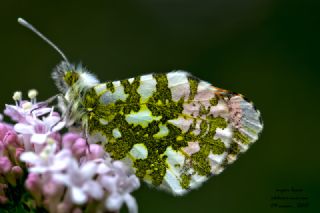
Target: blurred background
x=267, y=50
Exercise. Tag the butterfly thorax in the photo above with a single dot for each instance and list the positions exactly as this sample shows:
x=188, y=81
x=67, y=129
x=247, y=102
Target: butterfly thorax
x=73, y=82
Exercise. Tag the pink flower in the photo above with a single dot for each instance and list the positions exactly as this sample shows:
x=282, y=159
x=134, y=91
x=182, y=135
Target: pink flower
x=80, y=183
x=63, y=171
x=69, y=139
x=96, y=152
x=120, y=185
x=5, y=165
x=79, y=147
x=47, y=160
x=10, y=169
x=39, y=129
x=33, y=185
x=19, y=112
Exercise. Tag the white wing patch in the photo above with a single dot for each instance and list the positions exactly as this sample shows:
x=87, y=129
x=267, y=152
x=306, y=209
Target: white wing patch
x=147, y=87
x=100, y=88
x=182, y=123
x=175, y=161
x=192, y=148
x=205, y=92
x=143, y=117
x=111, y=97
x=179, y=85
x=196, y=181
x=116, y=133
x=164, y=131
x=172, y=184
x=225, y=135
x=139, y=151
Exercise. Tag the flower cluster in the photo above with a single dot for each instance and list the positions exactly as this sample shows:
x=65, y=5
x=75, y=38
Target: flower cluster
x=45, y=170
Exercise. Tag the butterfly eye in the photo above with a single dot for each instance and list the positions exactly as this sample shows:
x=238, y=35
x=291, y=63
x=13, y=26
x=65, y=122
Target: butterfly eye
x=71, y=77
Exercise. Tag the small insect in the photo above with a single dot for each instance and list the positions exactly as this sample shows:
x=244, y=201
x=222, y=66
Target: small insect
x=173, y=130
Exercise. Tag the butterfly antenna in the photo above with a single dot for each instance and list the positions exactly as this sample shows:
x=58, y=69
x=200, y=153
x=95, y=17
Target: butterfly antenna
x=33, y=29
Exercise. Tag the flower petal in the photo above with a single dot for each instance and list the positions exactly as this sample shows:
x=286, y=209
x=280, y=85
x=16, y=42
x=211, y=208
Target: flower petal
x=78, y=196
x=58, y=126
x=102, y=168
x=134, y=182
x=62, y=178
x=69, y=138
x=23, y=128
x=14, y=113
x=39, y=138
x=32, y=120
x=73, y=168
x=131, y=203
x=114, y=202
x=64, y=153
x=88, y=170
x=30, y=157
x=41, y=111
x=93, y=189
x=60, y=163
x=109, y=183
x=51, y=120
x=38, y=169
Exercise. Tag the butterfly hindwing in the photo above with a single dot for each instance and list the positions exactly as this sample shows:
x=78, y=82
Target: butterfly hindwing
x=173, y=130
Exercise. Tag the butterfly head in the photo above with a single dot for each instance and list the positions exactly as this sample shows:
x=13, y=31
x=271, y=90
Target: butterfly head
x=68, y=76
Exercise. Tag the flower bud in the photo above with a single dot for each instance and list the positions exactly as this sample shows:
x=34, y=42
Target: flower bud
x=3, y=186
x=5, y=165
x=32, y=182
x=77, y=210
x=96, y=151
x=50, y=188
x=3, y=130
x=69, y=139
x=2, y=148
x=33, y=185
x=17, y=171
x=18, y=152
x=64, y=207
x=11, y=138
x=3, y=199
x=79, y=147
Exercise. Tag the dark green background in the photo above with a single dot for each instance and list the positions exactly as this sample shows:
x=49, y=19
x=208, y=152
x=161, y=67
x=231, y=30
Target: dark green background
x=265, y=49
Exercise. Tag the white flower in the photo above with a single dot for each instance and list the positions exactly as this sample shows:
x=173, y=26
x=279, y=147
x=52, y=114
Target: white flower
x=19, y=112
x=119, y=185
x=80, y=183
x=47, y=160
x=39, y=129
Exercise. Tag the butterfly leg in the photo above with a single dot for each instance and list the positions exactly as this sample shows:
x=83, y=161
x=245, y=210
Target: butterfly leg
x=86, y=135
x=64, y=116
x=47, y=102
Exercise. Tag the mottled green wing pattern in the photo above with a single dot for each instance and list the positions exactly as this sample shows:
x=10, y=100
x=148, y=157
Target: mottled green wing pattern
x=173, y=130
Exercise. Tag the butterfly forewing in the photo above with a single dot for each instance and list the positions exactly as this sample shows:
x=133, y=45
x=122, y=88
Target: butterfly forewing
x=173, y=130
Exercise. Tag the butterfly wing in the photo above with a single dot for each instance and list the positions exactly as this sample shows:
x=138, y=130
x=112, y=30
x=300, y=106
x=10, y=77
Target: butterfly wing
x=173, y=130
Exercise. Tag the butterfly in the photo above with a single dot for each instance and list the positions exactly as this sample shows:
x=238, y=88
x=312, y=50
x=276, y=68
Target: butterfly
x=173, y=130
